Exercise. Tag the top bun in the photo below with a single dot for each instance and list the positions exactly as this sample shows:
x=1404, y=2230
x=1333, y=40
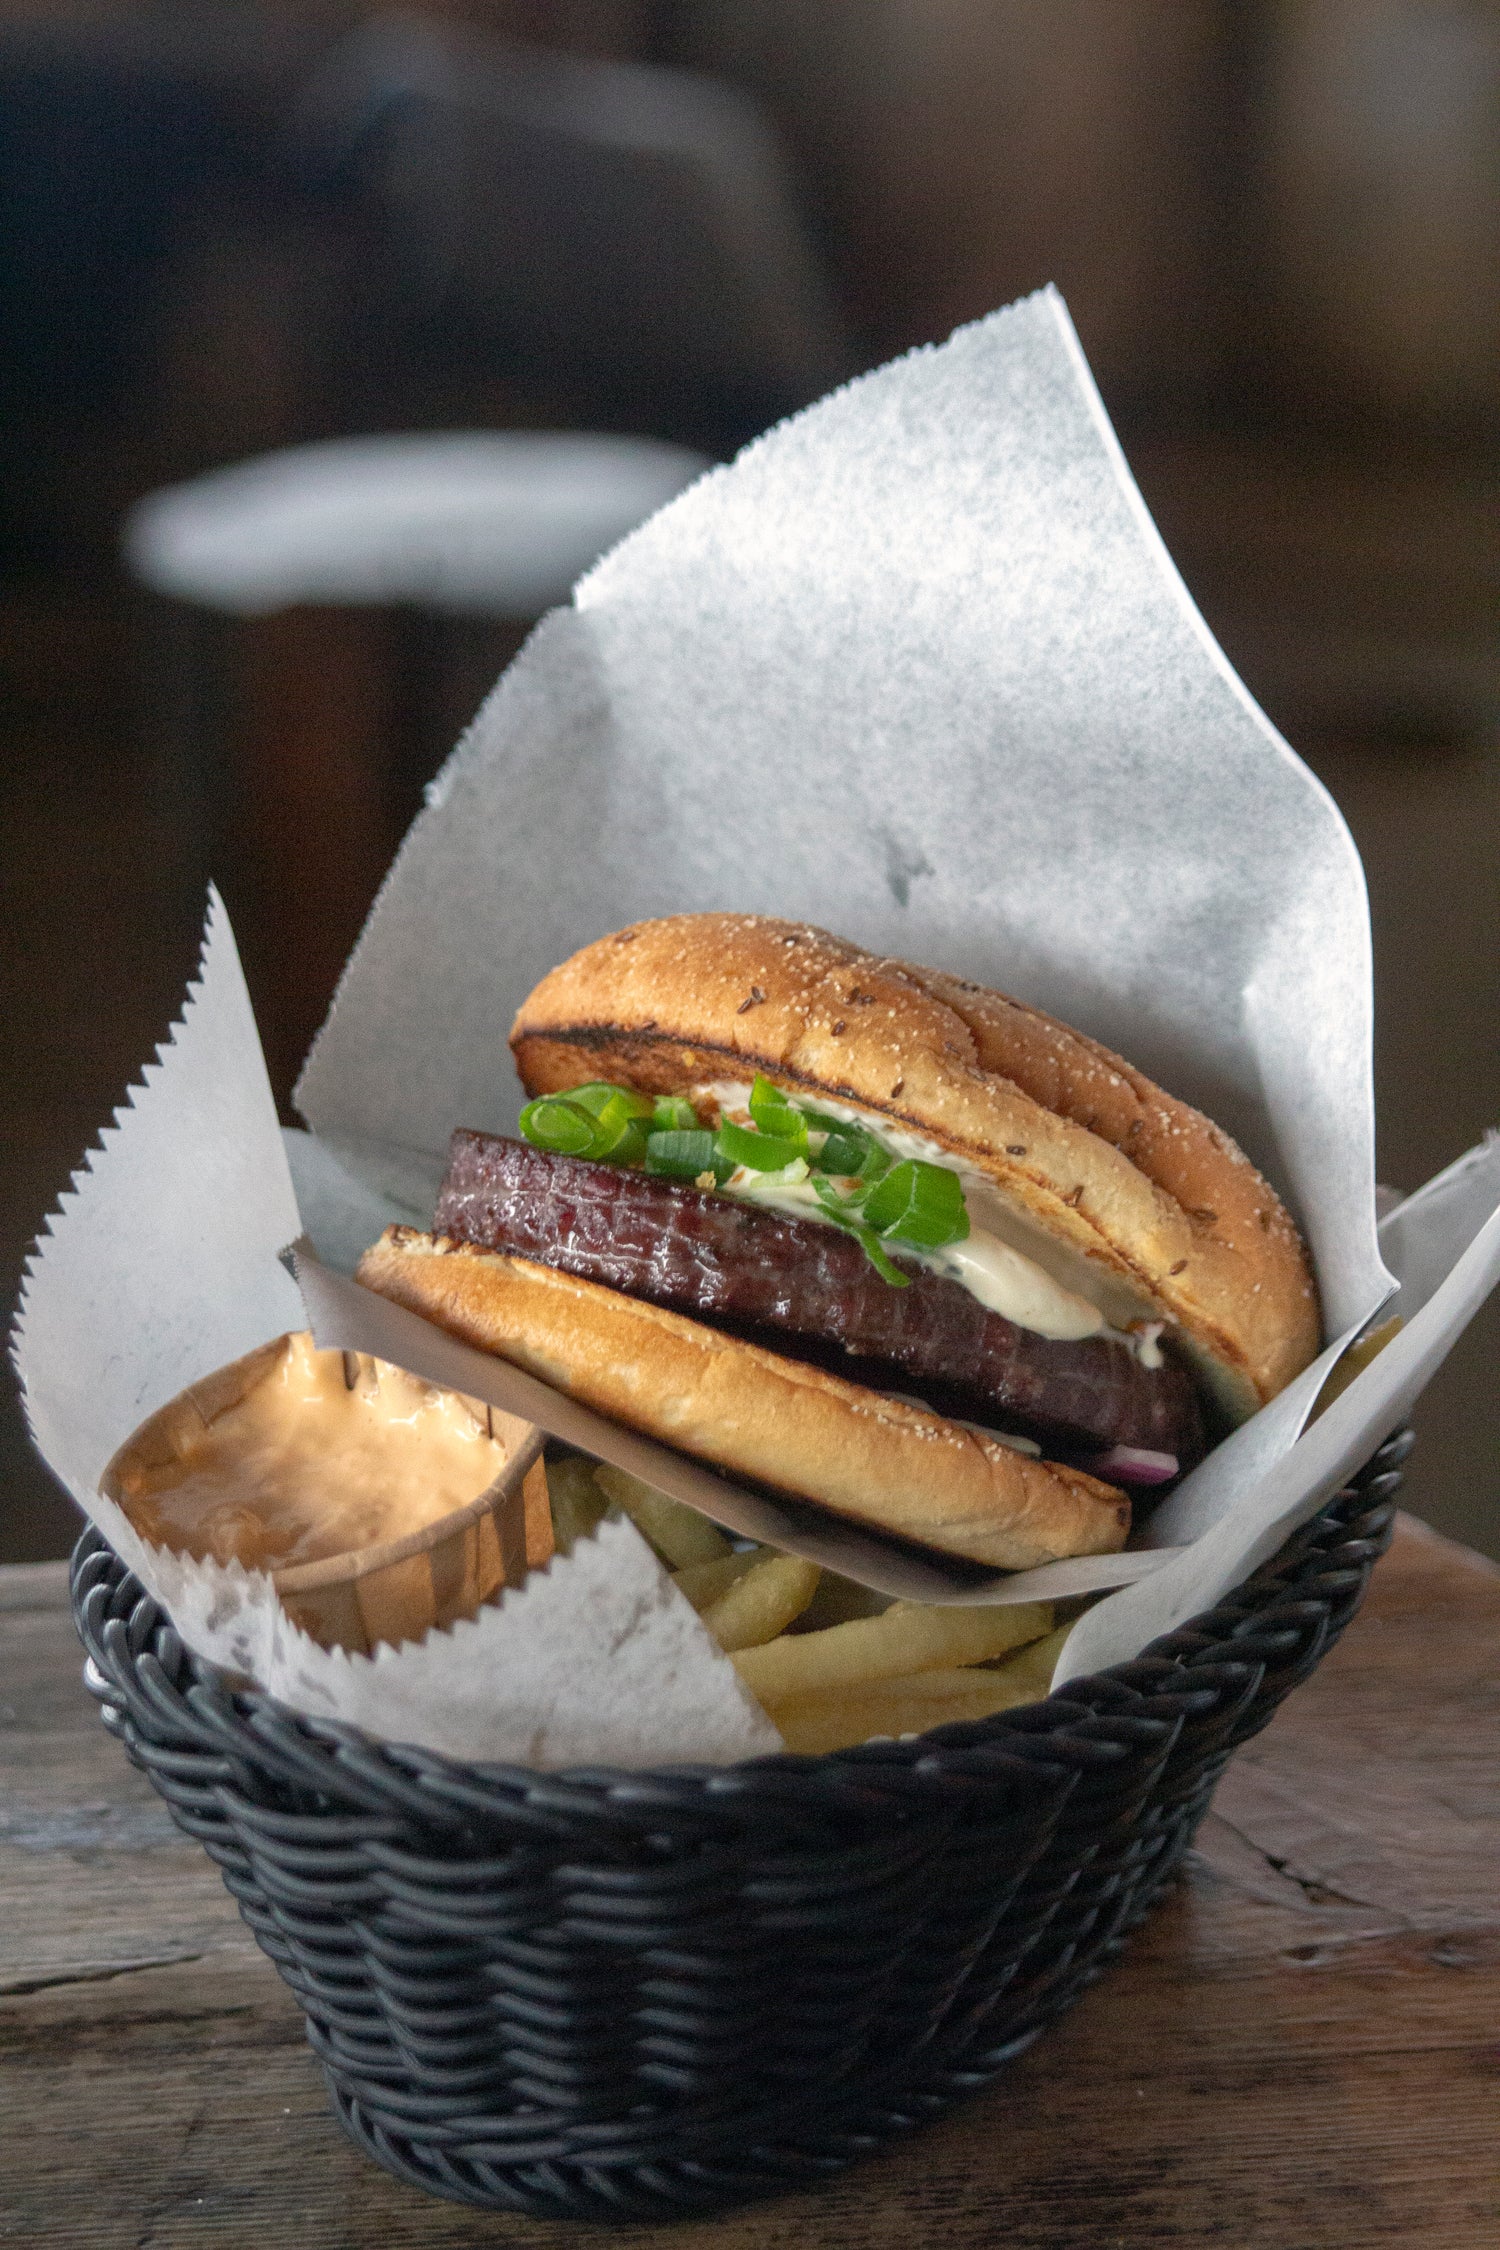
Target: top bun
x=1169, y=1215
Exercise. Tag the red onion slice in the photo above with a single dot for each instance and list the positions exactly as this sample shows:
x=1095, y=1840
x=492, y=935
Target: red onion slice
x=1133, y=1464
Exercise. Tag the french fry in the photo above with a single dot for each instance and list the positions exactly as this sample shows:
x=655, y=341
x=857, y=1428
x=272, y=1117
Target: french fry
x=1353, y=1363
x=908, y=1637
x=761, y=1604
x=704, y=1582
x=840, y=1717
x=578, y=1505
x=1032, y=1667
x=838, y=1600
x=680, y=1535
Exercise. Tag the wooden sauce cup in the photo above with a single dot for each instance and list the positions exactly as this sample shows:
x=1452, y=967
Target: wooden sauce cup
x=438, y=1568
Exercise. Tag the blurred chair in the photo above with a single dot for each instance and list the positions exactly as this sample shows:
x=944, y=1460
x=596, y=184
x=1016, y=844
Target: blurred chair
x=353, y=568
x=624, y=233
x=492, y=523
x=620, y=237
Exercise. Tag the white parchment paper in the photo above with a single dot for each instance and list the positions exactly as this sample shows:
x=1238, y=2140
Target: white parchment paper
x=916, y=667
x=162, y=1265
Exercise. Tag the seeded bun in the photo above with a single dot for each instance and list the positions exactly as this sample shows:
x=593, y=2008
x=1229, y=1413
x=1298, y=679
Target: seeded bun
x=752, y=1412
x=1083, y=1148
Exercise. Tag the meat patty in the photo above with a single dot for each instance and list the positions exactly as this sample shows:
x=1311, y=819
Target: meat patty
x=804, y=1288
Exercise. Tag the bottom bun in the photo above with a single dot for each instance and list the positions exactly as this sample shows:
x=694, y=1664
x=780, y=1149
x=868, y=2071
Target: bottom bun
x=882, y=1463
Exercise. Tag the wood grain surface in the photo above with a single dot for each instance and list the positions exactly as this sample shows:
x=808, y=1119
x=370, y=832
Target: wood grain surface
x=1301, y=2049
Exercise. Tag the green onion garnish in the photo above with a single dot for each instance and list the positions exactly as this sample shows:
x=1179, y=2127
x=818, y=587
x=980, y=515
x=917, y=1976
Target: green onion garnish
x=918, y=1203
x=673, y=1113
x=599, y=1098
x=878, y=1259
x=621, y=1139
x=607, y=1127
x=911, y=1202
x=558, y=1125
x=851, y=1153
x=686, y=1156
x=844, y=1212
x=772, y=1113
x=758, y=1152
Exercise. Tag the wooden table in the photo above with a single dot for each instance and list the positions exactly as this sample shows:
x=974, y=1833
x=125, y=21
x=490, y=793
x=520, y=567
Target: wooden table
x=1301, y=2049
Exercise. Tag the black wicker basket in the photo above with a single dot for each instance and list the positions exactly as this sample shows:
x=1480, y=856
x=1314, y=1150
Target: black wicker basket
x=639, y=1995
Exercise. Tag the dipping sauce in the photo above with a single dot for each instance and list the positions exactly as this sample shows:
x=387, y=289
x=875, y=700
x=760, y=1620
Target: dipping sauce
x=322, y=1453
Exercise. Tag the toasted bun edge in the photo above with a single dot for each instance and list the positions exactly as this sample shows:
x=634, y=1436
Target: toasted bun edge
x=900, y=1469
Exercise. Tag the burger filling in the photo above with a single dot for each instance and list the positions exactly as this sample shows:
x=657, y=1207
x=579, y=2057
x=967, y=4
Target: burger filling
x=857, y=1269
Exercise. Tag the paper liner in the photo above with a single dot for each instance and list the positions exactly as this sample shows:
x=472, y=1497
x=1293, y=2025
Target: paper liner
x=159, y=1269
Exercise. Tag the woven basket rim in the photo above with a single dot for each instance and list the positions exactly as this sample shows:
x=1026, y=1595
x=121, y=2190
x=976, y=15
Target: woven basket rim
x=1220, y=1635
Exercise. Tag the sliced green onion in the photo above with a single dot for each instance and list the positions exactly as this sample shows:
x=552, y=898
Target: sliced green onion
x=870, y=1241
x=599, y=1096
x=844, y=1212
x=558, y=1125
x=758, y=1152
x=851, y=1153
x=790, y=1175
x=620, y=1136
x=918, y=1203
x=848, y=1151
x=837, y=1205
x=628, y=1147
x=605, y=1127
x=686, y=1156
x=673, y=1113
x=876, y=1164
x=772, y=1113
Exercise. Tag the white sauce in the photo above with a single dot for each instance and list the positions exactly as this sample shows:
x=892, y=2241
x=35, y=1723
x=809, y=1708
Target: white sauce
x=1005, y=1277
x=1147, y=1343
x=1007, y=1283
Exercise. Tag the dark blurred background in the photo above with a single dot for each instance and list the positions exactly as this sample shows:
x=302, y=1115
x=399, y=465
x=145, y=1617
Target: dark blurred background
x=227, y=229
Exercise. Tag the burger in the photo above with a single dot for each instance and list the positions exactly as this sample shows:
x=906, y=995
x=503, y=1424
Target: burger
x=867, y=1235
